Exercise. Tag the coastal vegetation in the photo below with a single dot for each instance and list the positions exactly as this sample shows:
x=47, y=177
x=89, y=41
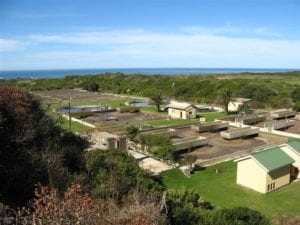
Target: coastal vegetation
x=267, y=90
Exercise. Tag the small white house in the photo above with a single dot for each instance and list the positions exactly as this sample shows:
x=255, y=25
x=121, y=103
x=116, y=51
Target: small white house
x=237, y=103
x=181, y=110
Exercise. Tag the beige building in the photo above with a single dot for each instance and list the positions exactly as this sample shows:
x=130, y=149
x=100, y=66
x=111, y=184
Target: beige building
x=237, y=103
x=181, y=110
x=293, y=150
x=265, y=171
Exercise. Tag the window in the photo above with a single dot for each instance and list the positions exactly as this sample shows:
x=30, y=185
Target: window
x=271, y=186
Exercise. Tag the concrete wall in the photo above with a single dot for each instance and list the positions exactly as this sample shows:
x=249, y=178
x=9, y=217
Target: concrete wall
x=251, y=175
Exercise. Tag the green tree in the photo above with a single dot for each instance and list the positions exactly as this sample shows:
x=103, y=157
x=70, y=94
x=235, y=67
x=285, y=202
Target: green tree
x=257, y=92
x=157, y=98
x=296, y=106
x=33, y=149
x=90, y=86
x=225, y=96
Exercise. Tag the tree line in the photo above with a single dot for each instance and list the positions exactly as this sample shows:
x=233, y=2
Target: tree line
x=267, y=90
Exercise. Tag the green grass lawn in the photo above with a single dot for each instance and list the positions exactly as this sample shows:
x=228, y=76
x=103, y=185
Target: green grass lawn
x=212, y=116
x=75, y=126
x=152, y=109
x=221, y=190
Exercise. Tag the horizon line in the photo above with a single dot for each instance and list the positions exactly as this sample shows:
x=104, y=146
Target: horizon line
x=134, y=68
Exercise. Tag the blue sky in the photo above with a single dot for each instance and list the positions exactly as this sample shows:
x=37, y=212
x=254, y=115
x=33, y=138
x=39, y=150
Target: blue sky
x=44, y=34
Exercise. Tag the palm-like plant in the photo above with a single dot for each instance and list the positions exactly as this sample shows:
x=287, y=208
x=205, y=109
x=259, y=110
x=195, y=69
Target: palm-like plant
x=225, y=97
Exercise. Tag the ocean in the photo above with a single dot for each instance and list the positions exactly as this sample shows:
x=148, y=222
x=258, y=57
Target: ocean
x=59, y=73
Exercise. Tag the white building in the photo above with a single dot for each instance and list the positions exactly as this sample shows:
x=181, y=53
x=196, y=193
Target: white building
x=181, y=110
x=237, y=103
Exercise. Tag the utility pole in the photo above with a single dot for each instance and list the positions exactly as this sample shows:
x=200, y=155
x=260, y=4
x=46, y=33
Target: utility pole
x=70, y=113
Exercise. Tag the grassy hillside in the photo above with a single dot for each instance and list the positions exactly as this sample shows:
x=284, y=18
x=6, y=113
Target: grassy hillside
x=221, y=189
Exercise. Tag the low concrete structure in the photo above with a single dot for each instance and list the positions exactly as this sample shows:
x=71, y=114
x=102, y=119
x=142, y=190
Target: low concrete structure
x=189, y=143
x=210, y=126
x=203, y=108
x=239, y=133
x=282, y=114
x=150, y=164
x=237, y=103
x=280, y=124
x=105, y=141
x=167, y=132
x=264, y=171
x=181, y=110
x=252, y=119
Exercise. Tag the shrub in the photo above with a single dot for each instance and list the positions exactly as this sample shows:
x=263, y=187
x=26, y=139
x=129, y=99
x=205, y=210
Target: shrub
x=238, y=216
x=130, y=109
x=186, y=207
x=158, y=145
x=132, y=132
x=113, y=174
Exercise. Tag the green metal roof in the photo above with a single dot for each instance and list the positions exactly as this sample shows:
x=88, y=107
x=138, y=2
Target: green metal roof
x=295, y=145
x=273, y=158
